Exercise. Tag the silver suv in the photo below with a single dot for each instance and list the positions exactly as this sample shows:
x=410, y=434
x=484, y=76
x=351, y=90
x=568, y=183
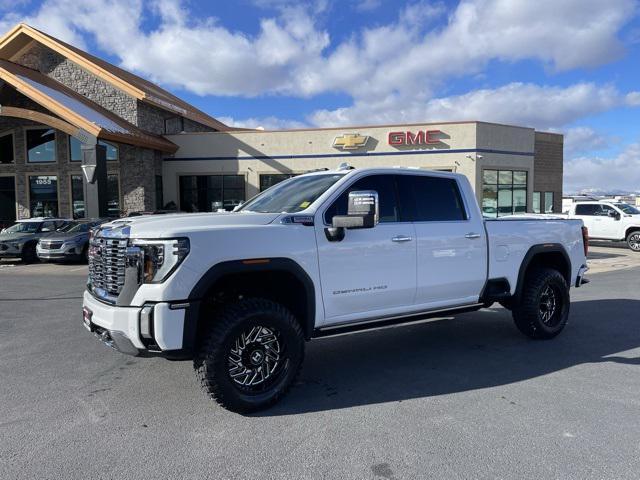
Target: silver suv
x=20, y=239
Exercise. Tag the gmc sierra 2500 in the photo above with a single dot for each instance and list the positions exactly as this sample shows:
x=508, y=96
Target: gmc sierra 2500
x=315, y=255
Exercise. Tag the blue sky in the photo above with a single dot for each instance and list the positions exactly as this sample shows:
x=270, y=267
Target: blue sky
x=571, y=66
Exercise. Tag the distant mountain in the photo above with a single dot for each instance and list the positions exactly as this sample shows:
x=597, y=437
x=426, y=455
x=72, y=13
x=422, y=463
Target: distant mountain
x=603, y=193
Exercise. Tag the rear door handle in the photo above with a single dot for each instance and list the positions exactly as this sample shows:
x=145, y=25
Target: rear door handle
x=472, y=236
x=401, y=238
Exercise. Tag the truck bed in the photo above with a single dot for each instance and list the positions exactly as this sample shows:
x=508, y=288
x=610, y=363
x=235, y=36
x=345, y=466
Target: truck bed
x=510, y=238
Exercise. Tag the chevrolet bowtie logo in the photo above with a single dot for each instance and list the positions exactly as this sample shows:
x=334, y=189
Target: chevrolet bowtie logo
x=350, y=141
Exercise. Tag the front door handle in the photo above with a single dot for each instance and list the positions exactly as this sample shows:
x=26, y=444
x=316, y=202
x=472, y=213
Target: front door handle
x=401, y=238
x=472, y=236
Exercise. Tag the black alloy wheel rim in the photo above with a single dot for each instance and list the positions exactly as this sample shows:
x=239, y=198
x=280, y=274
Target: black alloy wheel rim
x=256, y=359
x=634, y=242
x=549, y=306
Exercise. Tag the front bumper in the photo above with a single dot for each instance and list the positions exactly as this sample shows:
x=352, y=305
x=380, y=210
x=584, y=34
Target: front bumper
x=155, y=328
x=64, y=252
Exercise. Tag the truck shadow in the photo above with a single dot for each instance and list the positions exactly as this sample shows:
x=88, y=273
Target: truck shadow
x=473, y=351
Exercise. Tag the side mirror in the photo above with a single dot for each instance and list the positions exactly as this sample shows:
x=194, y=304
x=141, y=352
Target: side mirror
x=362, y=212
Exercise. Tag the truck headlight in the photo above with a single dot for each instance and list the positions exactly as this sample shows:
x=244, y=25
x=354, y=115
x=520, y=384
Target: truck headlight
x=161, y=257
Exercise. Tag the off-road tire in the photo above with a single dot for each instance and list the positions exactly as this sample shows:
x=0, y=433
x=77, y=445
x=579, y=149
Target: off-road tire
x=29, y=254
x=212, y=360
x=633, y=241
x=529, y=313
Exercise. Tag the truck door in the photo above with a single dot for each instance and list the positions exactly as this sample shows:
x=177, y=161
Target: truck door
x=611, y=225
x=452, y=248
x=372, y=270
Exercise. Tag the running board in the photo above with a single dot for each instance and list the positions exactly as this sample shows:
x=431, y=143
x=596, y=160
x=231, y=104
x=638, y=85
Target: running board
x=394, y=320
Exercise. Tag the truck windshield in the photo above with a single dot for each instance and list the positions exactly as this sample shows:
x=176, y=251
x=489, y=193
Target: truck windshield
x=292, y=195
x=628, y=209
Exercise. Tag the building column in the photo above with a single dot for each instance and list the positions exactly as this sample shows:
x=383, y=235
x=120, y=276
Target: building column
x=94, y=167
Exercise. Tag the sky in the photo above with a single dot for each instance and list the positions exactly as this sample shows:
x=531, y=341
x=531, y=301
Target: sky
x=568, y=66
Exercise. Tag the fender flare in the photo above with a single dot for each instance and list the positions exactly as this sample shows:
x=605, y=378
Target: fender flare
x=534, y=250
x=219, y=270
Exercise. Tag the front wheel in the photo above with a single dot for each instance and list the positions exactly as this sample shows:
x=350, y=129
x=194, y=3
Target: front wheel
x=633, y=240
x=543, y=309
x=250, y=355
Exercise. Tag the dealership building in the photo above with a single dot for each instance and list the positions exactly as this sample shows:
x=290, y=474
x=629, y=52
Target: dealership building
x=60, y=106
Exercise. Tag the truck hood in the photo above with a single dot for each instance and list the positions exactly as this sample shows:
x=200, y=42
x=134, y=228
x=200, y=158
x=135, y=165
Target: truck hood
x=164, y=226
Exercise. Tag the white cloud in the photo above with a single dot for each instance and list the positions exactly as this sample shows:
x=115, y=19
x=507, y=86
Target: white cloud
x=368, y=5
x=543, y=107
x=621, y=172
x=580, y=140
x=267, y=123
x=292, y=55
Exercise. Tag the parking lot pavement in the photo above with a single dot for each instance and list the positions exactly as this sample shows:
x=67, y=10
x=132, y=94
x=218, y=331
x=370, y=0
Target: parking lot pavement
x=609, y=256
x=451, y=398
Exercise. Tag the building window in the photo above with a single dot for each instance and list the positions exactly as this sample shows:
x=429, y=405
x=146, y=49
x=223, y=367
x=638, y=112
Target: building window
x=6, y=148
x=43, y=196
x=77, y=197
x=548, y=202
x=159, y=199
x=504, y=192
x=270, y=179
x=41, y=145
x=75, y=150
x=7, y=201
x=536, y=202
x=210, y=193
x=113, y=195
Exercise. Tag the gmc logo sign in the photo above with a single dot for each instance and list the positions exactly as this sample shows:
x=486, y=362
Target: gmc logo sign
x=421, y=137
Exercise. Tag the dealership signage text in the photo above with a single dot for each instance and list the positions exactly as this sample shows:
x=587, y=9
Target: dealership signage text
x=421, y=137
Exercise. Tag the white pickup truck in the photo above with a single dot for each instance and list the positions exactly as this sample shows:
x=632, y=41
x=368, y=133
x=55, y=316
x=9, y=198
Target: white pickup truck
x=315, y=255
x=609, y=220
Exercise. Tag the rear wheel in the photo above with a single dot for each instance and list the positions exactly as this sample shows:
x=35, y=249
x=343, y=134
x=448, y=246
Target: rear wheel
x=250, y=355
x=633, y=240
x=543, y=309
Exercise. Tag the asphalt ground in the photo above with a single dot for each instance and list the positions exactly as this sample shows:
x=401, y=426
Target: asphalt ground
x=459, y=398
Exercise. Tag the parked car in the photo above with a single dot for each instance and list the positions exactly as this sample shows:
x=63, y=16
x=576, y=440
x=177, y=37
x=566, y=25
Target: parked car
x=316, y=255
x=20, y=239
x=68, y=243
x=610, y=220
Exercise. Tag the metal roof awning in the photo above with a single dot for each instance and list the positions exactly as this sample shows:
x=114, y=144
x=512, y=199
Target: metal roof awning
x=73, y=109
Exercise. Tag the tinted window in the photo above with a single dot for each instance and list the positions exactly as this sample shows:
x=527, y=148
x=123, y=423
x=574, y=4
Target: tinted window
x=386, y=188
x=6, y=149
x=587, y=209
x=75, y=150
x=41, y=145
x=210, y=193
x=435, y=199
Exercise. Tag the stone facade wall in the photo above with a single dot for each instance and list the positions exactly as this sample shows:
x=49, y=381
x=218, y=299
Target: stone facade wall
x=138, y=168
x=548, y=166
x=55, y=66
x=163, y=122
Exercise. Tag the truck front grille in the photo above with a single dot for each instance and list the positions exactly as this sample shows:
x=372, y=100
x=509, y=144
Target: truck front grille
x=107, y=264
